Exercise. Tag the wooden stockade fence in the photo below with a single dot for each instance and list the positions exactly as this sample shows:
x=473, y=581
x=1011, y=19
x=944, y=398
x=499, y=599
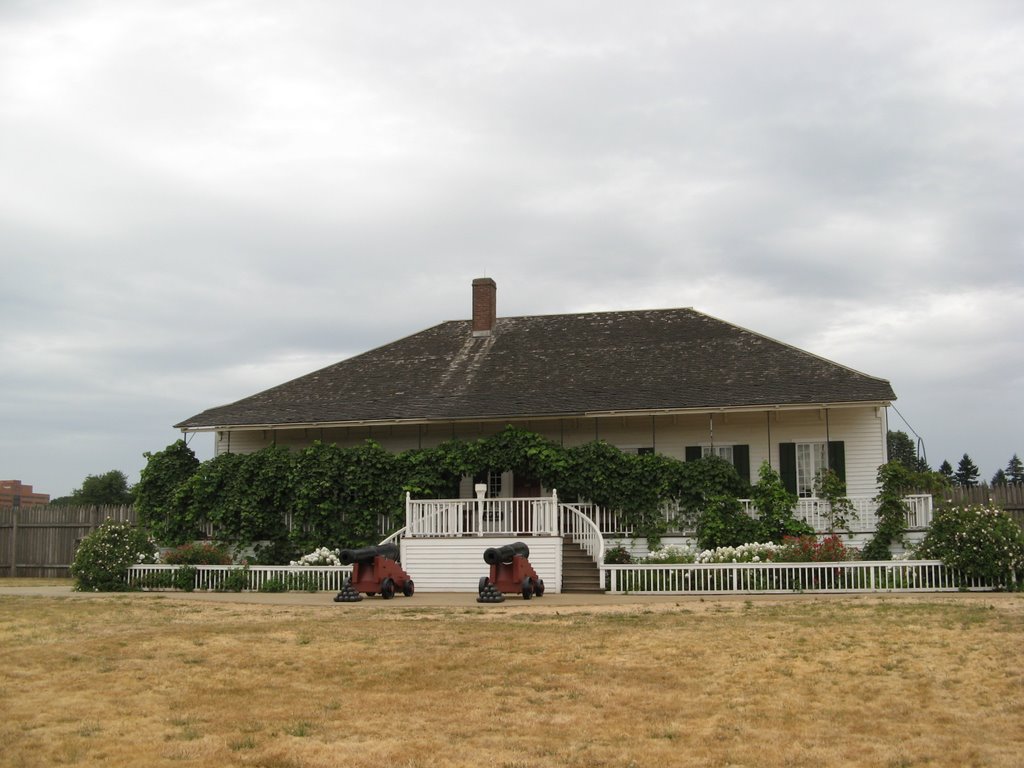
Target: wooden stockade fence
x=41, y=541
x=1008, y=497
x=1005, y=496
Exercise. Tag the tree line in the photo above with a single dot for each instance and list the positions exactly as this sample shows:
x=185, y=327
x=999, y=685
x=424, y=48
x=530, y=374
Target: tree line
x=902, y=449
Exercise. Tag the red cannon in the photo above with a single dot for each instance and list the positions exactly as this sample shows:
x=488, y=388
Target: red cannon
x=510, y=572
x=374, y=569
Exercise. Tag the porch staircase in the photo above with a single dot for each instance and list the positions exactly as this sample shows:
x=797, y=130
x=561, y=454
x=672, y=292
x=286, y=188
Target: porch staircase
x=579, y=572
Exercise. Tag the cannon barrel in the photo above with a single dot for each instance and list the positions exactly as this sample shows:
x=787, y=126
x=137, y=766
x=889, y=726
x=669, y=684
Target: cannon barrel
x=366, y=554
x=495, y=555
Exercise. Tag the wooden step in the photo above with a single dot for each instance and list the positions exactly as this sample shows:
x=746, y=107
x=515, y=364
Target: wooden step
x=579, y=571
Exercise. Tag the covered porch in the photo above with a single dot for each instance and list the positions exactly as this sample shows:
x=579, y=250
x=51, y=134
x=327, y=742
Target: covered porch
x=443, y=539
x=547, y=516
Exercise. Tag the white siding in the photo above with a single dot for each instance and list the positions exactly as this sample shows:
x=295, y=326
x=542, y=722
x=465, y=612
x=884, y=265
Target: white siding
x=638, y=548
x=862, y=429
x=456, y=565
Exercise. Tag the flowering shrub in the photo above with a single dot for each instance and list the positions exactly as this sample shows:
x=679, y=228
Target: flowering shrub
x=198, y=553
x=103, y=558
x=795, y=549
x=618, y=556
x=672, y=554
x=807, y=549
x=980, y=542
x=755, y=552
x=320, y=556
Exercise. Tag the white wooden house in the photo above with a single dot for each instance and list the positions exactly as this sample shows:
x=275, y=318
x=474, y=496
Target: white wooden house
x=675, y=381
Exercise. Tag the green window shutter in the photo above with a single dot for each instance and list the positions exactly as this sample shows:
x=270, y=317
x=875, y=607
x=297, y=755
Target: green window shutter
x=741, y=460
x=692, y=452
x=787, y=465
x=837, y=458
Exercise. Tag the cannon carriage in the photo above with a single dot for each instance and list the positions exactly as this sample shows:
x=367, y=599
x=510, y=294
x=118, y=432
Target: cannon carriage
x=511, y=573
x=374, y=570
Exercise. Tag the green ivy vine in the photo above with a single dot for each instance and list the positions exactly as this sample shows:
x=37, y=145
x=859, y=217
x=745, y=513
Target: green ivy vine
x=334, y=496
x=895, y=481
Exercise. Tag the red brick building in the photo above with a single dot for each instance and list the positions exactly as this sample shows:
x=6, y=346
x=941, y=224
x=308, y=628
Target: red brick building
x=14, y=494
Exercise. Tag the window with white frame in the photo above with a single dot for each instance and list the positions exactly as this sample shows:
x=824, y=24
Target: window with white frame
x=492, y=480
x=494, y=484
x=811, y=458
x=721, y=451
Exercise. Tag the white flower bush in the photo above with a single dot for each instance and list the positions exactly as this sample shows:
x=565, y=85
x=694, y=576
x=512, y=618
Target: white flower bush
x=755, y=552
x=980, y=541
x=104, y=556
x=319, y=556
x=672, y=554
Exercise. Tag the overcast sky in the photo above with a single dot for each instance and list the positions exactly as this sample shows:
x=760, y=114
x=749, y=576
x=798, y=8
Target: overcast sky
x=201, y=200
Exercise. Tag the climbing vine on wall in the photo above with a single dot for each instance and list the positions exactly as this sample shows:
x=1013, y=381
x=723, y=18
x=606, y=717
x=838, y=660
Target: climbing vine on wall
x=155, y=493
x=894, y=481
x=335, y=496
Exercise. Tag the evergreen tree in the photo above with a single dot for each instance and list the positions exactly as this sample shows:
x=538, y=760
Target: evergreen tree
x=946, y=470
x=901, y=448
x=999, y=478
x=1015, y=471
x=966, y=472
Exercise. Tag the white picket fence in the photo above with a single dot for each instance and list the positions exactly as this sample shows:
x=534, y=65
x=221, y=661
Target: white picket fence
x=787, y=578
x=639, y=579
x=320, y=578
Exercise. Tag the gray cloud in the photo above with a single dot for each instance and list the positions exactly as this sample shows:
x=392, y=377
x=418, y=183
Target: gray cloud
x=200, y=201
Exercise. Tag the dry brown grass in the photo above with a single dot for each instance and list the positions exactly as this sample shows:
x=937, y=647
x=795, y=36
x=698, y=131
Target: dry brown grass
x=7, y=582
x=149, y=681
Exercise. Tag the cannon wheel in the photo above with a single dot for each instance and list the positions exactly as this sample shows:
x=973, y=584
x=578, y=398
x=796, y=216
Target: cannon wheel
x=387, y=588
x=484, y=581
x=538, y=588
x=527, y=588
x=408, y=588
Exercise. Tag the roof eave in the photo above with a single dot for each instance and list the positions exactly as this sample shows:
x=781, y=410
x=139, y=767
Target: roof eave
x=532, y=416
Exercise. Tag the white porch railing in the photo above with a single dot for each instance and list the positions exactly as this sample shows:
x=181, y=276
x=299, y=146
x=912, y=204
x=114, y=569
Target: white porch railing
x=540, y=516
x=787, y=578
x=815, y=512
x=477, y=517
x=608, y=521
x=575, y=523
x=319, y=578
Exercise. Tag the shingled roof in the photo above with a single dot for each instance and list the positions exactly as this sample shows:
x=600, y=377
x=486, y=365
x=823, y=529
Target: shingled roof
x=556, y=365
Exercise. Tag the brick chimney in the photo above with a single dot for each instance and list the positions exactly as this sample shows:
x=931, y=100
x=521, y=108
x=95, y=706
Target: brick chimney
x=485, y=306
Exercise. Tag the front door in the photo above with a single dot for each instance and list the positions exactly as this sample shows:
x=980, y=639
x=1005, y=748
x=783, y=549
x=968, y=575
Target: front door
x=525, y=487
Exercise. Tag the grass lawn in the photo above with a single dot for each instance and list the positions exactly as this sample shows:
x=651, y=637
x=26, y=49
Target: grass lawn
x=144, y=680
x=6, y=581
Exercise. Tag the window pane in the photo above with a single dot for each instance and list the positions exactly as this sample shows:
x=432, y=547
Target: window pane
x=721, y=451
x=810, y=459
x=494, y=484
